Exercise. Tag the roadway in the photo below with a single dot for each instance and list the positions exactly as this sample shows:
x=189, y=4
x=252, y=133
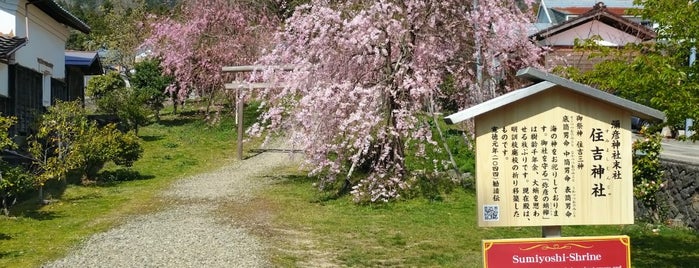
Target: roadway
x=685, y=151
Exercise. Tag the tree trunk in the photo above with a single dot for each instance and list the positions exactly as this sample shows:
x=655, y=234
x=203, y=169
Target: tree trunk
x=5, y=206
x=41, y=195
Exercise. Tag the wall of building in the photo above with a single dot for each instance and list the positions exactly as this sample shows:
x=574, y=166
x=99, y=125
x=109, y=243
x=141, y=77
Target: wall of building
x=679, y=199
x=45, y=51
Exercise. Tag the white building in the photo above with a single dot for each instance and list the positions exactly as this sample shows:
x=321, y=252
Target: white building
x=33, y=35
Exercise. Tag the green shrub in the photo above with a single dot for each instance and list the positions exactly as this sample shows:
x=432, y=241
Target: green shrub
x=67, y=142
x=128, y=149
x=14, y=180
x=647, y=172
x=126, y=104
x=113, y=97
x=52, y=145
x=149, y=82
x=99, y=86
x=101, y=145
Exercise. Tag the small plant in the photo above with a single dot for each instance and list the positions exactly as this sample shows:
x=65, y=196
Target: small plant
x=647, y=172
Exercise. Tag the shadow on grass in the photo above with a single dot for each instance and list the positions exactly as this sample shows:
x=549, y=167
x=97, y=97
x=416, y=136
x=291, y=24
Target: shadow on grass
x=330, y=193
x=291, y=179
x=179, y=121
x=663, y=251
x=7, y=254
x=113, y=177
x=151, y=138
x=5, y=237
x=39, y=215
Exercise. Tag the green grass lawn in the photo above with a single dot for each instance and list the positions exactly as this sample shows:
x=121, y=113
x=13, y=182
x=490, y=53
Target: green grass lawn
x=422, y=233
x=178, y=146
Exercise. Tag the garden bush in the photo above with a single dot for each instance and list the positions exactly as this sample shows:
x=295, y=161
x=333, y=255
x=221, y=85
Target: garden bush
x=103, y=144
x=648, y=173
x=67, y=142
x=14, y=180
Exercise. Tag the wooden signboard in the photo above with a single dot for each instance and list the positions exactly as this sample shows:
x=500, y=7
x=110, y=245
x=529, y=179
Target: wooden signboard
x=569, y=252
x=554, y=159
x=555, y=153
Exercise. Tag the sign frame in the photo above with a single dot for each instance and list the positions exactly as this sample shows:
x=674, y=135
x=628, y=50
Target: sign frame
x=549, y=101
x=559, y=252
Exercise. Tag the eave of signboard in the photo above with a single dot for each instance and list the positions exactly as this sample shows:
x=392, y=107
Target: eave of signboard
x=546, y=81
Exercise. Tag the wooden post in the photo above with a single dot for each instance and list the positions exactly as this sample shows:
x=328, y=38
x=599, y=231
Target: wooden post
x=239, y=107
x=551, y=231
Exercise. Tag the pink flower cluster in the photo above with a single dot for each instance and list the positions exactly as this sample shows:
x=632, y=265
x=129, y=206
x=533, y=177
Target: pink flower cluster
x=205, y=36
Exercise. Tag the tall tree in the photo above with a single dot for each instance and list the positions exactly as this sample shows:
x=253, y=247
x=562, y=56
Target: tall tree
x=149, y=83
x=127, y=30
x=207, y=35
x=368, y=70
x=117, y=25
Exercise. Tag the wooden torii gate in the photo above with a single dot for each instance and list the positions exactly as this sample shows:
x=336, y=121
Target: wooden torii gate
x=238, y=86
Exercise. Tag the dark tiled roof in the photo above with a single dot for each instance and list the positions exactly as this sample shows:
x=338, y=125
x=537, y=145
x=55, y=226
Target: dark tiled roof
x=9, y=45
x=61, y=15
x=581, y=10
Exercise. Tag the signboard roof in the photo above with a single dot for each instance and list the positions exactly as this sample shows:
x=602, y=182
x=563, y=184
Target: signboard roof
x=546, y=81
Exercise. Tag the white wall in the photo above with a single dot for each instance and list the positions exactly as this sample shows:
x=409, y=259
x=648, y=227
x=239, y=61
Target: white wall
x=47, y=40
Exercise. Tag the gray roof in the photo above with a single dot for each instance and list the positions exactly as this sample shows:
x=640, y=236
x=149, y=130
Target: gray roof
x=534, y=28
x=9, y=45
x=588, y=3
x=88, y=61
x=545, y=81
x=61, y=15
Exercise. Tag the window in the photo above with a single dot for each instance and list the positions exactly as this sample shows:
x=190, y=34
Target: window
x=4, y=80
x=46, y=69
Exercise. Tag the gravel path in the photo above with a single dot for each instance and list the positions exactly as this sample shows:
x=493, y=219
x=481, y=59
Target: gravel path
x=187, y=233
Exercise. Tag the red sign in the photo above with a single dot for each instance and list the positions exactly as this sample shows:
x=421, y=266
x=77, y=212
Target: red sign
x=561, y=252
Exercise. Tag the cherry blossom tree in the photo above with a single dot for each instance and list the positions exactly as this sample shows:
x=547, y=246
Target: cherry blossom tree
x=369, y=71
x=204, y=36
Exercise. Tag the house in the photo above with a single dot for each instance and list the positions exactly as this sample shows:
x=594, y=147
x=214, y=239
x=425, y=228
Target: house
x=33, y=35
x=610, y=29
x=78, y=65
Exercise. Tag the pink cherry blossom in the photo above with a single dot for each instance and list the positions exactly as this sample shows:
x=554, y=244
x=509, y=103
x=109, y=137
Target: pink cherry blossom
x=368, y=71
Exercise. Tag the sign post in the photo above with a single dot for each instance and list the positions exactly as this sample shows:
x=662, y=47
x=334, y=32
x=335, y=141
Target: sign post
x=554, y=153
